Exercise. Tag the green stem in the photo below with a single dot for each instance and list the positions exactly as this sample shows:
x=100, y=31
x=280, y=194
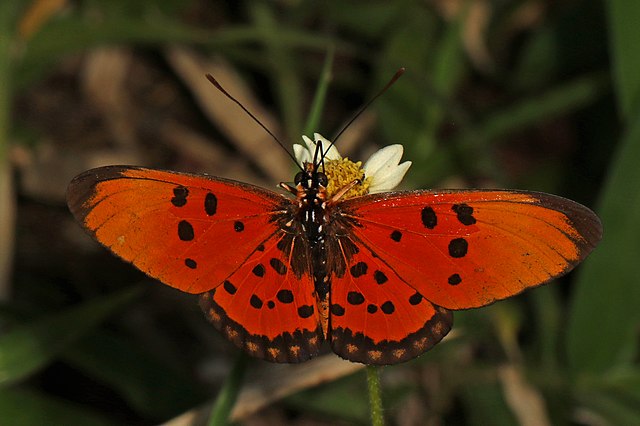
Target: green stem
x=229, y=393
x=320, y=97
x=375, y=400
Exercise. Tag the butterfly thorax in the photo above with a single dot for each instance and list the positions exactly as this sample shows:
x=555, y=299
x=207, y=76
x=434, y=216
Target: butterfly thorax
x=311, y=196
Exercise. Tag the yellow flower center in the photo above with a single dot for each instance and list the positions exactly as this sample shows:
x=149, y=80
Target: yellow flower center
x=341, y=173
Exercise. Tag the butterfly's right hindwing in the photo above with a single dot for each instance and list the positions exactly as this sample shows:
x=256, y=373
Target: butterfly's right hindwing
x=265, y=309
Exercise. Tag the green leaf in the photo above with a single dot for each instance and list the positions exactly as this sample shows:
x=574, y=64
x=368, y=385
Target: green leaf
x=624, y=16
x=27, y=408
x=567, y=97
x=604, y=320
x=29, y=347
x=344, y=399
x=486, y=405
x=151, y=387
x=612, y=409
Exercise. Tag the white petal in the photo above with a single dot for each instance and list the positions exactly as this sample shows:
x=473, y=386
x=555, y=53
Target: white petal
x=385, y=158
x=311, y=145
x=301, y=153
x=383, y=168
x=382, y=182
x=332, y=153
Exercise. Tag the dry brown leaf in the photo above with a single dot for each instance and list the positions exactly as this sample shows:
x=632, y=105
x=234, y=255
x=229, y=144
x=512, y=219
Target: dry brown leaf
x=103, y=80
x=206, y=152
x=285, y=379
x=7, y=227
x=37, y=14
x=244, y=133
x=525, y=401
x=277, y=382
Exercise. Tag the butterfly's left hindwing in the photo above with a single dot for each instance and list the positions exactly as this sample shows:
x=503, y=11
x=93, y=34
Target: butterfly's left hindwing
x=189, y=231
x=377, y=318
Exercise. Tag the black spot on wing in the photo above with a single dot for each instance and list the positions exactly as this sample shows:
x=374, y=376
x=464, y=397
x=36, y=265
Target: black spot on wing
x=337, y=310
x=388, y=307
x=285, y=296
x=380, y=277
x=355, y=298
x=255, y=301
x=305, y=311
x=429, y=218
x=210, y=204
x=185, y=231
x=359, y=269
x=454, y=279
x=415, y=299
x=458, y=247
x=258, y=270
x=229, y=288
x=180, y=194
x=464, y=213
x=278, y=266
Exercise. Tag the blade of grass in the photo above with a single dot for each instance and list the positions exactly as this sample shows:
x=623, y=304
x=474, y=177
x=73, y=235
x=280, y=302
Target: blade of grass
x=283, y=67
x=320, y=97
x=75, y=33
x=623, y=23
x=229, y=393
x=29, y=347
x=604, y=318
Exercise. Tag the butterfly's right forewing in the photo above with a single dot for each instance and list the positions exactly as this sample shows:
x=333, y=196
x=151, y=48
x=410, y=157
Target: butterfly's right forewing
x=189, y=231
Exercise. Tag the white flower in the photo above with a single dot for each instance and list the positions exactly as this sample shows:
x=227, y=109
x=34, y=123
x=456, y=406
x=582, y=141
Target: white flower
x=382, y=171
x=305, y=154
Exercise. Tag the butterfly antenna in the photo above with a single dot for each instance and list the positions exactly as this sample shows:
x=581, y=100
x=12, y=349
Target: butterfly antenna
x=318, y=153
x=362, y=109
x=253, y=117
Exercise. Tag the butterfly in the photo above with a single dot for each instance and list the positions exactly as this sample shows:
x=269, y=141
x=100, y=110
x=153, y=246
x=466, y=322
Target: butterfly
x=337, y=257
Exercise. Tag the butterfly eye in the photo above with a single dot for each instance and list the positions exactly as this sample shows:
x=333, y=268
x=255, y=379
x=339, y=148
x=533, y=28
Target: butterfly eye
x=299, y=178
x=322, y=179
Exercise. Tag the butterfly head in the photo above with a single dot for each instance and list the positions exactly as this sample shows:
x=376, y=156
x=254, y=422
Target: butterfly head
x=311, y=178
x=382, y=172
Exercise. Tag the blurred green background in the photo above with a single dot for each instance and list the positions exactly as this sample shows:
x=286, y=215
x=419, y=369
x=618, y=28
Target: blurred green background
x=533, y=94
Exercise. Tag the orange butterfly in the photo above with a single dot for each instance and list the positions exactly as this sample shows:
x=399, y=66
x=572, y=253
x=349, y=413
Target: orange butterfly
x=374, y=274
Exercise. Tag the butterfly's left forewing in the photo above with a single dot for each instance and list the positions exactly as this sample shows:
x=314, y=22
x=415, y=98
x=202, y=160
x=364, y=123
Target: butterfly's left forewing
x=465, y=249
